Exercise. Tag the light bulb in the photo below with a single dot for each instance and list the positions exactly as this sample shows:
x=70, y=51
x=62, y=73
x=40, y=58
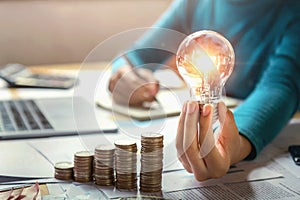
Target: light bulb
x=205, y=60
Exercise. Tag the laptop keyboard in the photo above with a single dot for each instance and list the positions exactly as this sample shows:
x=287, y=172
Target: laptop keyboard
x=22, y=115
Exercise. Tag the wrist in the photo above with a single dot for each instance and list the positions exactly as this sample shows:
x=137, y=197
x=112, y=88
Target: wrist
x=245, y=147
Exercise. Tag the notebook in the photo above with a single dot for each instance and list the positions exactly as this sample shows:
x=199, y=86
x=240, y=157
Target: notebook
x=29, y=118
x=168, y=103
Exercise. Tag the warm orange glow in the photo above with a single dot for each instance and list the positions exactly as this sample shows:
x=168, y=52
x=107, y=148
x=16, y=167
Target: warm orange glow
x=205, y=58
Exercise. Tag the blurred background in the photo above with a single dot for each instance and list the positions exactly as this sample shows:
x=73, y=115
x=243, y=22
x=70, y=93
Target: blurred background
x=35, y=32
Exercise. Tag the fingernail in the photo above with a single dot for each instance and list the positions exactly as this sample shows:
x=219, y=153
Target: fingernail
x=191, y=107
x=206, y=110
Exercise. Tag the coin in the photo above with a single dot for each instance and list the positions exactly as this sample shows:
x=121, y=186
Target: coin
x=126, y=165
x=104, y=165
x=151, y=162
x=63, y=170
x=83, y=154
x=64, y=165
x=83, y=166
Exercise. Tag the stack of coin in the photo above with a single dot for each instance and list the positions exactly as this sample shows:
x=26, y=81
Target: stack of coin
x=63, y=170
x=104, y=165
x=125, y=164
x=151, y=162
x=83, y=166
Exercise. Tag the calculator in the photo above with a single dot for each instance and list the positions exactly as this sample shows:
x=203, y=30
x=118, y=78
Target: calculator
x=18, y=75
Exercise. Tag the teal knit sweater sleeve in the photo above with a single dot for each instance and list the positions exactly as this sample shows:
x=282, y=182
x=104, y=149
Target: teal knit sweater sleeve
x=277, y=95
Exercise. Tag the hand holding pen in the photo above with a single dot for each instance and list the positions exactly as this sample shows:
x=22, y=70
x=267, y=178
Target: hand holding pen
x=133, y=86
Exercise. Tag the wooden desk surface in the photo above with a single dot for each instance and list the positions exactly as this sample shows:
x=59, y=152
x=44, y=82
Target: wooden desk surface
x=297, y=115
x=70, y=67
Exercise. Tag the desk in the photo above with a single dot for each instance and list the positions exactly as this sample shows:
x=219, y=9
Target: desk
x=272, y=173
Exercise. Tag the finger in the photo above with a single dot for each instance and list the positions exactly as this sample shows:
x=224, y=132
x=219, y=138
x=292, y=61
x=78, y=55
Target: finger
x=121, y=92
x=132, y=98
x=190, y=142
x=205, y=121
x=147, y=75
x=116, y=76
x=214, y=155
x=216, y=162
x=229, y=131
x=128, y=96
x=153, y=88
x=112, y=82
x=141, y=95
x=208, y=151
x=206, y=135
x=116, y=79
x=222, y=112
x=142, y=89
x=179, y=140
x=227, y=123
x=130, y=89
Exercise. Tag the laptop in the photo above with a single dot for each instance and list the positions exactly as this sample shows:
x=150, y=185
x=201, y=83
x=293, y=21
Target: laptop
x=31, y=118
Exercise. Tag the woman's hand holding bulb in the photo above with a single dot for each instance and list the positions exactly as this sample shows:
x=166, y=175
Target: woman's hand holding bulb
x=194, y=150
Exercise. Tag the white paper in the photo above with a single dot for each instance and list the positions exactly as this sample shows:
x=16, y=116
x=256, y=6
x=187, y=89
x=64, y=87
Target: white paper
x=112, y=192
x=278, y=188
x=5, y=94
x=3, y=84
x=277, y=151
x=58, y=149
x=286, y=161
x=18, y=159
x=168, y=79
x=180, y=180
x=32, y=181
x=35, y=93
x=74, y=192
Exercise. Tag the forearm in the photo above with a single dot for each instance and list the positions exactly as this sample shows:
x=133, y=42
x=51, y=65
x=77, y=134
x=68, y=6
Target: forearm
x=261, y=117
x=277, y=95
